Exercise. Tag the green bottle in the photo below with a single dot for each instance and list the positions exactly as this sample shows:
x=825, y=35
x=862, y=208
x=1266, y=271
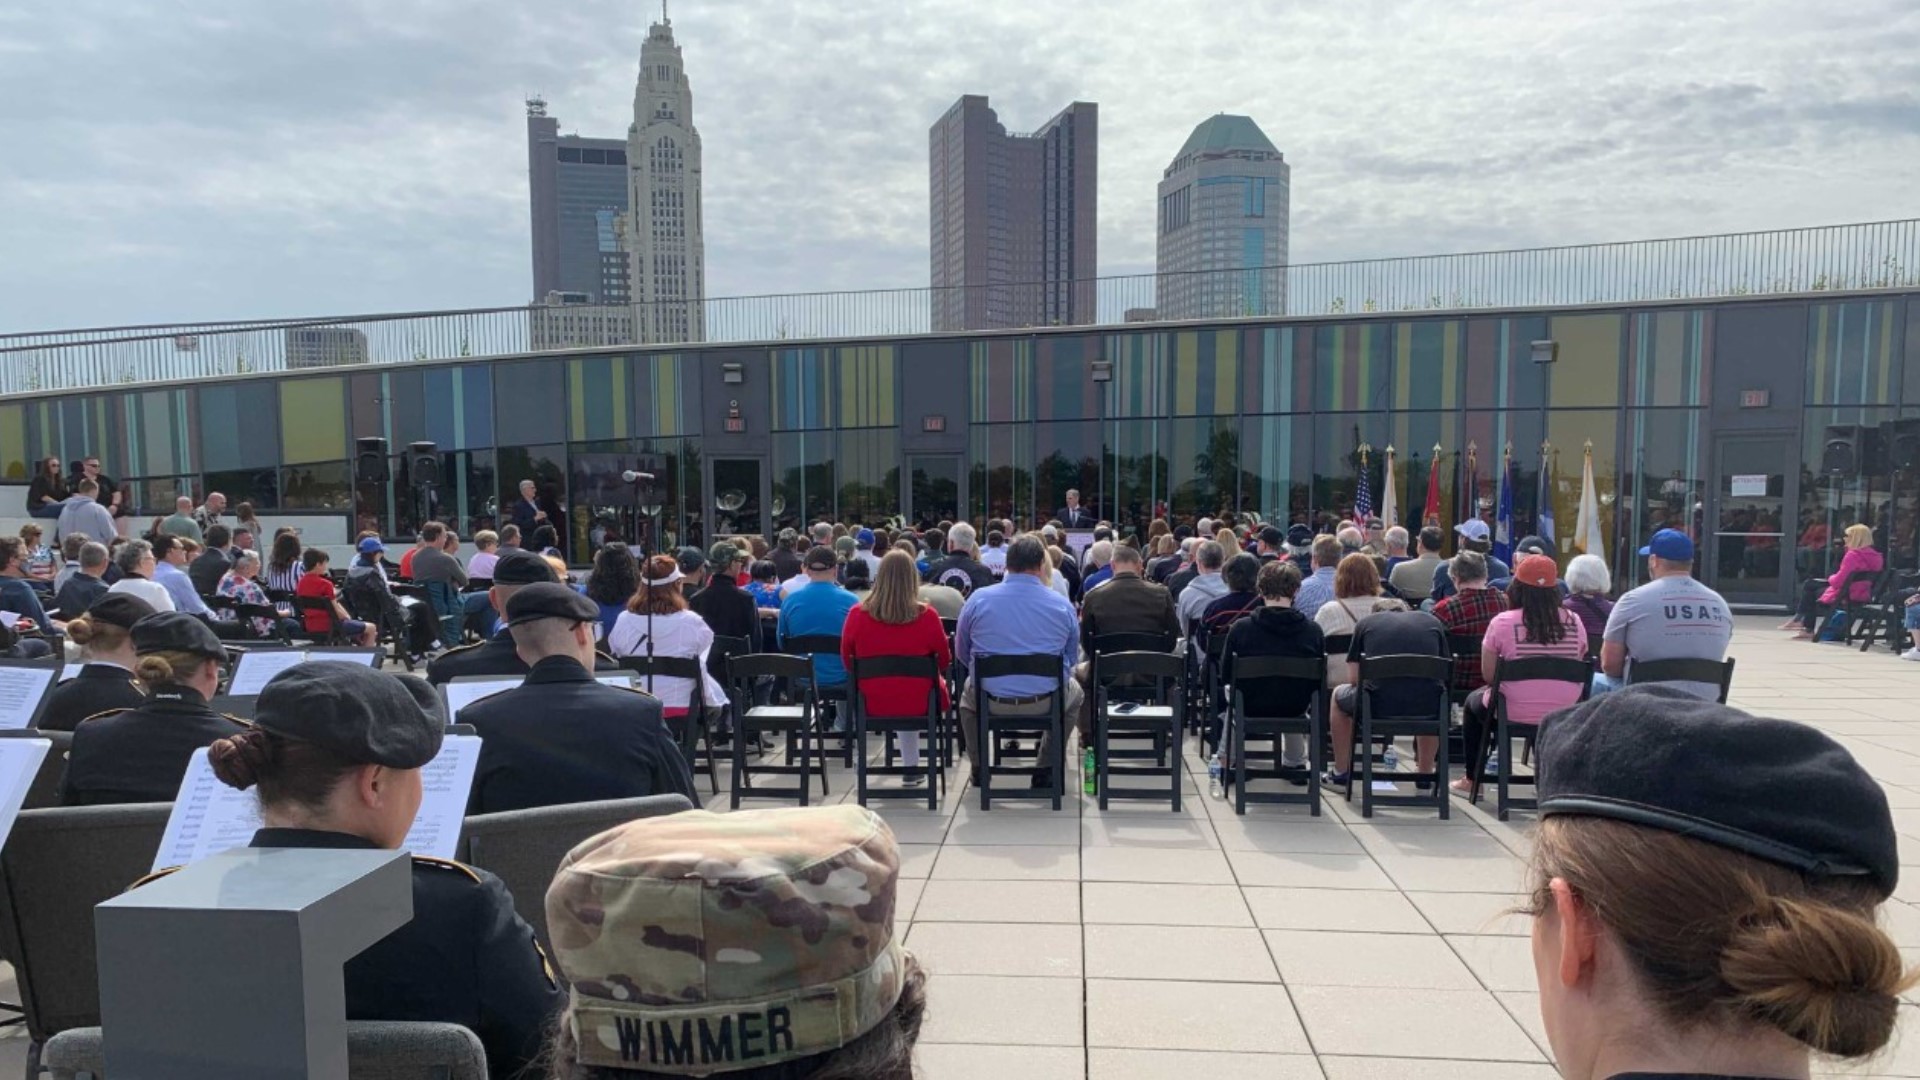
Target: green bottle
x=1088, y=773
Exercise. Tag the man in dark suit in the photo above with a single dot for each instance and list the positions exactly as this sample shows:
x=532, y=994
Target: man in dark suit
x=560, y=737
x=207, y=568
x=1075, y=516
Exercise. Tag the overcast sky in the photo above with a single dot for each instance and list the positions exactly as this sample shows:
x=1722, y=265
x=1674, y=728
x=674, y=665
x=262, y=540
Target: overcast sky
x=171, y=161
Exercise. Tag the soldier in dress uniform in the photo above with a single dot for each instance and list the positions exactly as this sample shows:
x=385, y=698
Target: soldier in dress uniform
x=757, y=945
x=515, y=570
x=105, y=682
x=561, y=737
x=139, y=754
x=335, y=753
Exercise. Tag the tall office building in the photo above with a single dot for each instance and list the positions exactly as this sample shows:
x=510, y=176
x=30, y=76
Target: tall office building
x=668, y=250
x=578, y=186
x=1223, y=211
x=1014, y=218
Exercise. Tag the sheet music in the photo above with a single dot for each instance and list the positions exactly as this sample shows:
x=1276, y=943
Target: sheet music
x=209, y=817
x=255, y=669
x=365, y=658
x=461, y=694
x=11, y=618
x=623, y=680
x=21, y=691
x=71, y=671
x=445, y=784
x=19, y=761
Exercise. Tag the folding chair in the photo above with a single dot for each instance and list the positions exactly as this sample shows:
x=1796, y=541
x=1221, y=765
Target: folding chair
x=1716, y=672
x=1140, y=689
x=795, y=721
x=1435, y=670
x=690, y=731
x=1244, y=670
x=1500, y=739
x=1051, y=725
x=524, y=847
x=332, y=635
x=826, y=699
x=926, y=724
x=1158, y=719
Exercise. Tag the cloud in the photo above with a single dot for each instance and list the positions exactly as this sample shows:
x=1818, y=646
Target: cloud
x=227, y=158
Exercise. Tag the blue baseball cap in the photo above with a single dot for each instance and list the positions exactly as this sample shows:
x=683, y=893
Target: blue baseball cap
x=1670, y=544
x=371, y=545
x=864, y=538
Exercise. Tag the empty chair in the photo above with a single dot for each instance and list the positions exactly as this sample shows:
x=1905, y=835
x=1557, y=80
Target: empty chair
x=376, y=1050
x=925, y=724
x=1137, y=688
x=1043, y=715
x=57, y=864
x=1162, y=717
x=523, y=847
x=1265, y=680
x=795, y=721
x=1716, y=673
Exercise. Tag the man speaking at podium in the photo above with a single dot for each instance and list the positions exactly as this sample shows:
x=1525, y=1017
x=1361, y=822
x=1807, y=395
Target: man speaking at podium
x=1075, y=516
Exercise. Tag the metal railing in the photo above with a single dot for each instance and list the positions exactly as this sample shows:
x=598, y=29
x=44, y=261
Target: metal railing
x=1863, y=256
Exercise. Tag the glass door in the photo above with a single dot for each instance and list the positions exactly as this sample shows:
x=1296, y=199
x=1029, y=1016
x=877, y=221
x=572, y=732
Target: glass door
x=739, y=497
x=935, y=494
x=1746, y=551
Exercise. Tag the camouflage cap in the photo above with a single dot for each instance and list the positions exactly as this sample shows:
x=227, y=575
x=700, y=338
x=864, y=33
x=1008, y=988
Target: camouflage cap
x=700, y=943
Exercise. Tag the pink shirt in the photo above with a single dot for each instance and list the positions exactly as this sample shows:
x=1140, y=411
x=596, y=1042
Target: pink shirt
x=1529, y=702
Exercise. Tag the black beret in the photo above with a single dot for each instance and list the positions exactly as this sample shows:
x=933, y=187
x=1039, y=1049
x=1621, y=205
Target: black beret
x=550, y=600
x=1773, y=789
x=119, y=609
x=522, y=568
x=360, y=713
x=176, y=631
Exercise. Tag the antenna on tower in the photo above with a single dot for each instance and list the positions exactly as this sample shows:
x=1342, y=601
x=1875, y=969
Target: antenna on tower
x=663, y=13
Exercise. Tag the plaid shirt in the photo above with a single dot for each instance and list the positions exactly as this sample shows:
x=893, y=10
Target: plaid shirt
x=1467, y=613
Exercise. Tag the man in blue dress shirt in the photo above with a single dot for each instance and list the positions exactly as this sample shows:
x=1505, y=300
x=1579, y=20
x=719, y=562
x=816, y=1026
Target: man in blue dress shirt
x=1020, y=615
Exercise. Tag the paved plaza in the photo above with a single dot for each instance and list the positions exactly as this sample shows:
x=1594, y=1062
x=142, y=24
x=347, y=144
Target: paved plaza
x=1139, y=943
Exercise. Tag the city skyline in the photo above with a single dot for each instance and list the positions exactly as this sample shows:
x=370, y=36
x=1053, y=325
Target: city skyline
x=221, y=161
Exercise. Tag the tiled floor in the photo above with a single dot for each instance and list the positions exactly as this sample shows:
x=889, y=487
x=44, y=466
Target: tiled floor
x=1143, y=944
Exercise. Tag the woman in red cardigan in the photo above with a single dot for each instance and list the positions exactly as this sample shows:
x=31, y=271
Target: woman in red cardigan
x=892, y=621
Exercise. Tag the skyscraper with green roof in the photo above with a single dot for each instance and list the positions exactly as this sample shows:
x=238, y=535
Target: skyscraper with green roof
x=1222, y=224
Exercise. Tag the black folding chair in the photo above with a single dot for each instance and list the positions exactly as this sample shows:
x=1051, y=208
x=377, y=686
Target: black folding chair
x=926, y=724
x=332, y=635
x=1140, y=689
x=1051, y=725
x=1242, y=671
x=690, y=731
x=1500, y=739
x=796, y=722
x=1437, y=672
x=1162, y=719
x=827, y=699
x=1686, y=669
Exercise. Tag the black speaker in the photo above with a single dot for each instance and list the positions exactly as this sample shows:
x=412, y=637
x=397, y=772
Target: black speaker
x=1852, y=450
x=424, y=462
x=1901, y=440
x=370, y=460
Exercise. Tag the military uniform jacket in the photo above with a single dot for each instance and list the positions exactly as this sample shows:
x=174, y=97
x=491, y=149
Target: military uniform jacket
x=139, y=755
x=466, y=958
x=494, y=656
x=560, y=737
x=97, y=689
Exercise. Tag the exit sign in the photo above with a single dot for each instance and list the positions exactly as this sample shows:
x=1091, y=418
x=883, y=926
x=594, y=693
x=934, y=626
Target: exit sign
x=736, y=424
x=1755, y=399
x=933, y=422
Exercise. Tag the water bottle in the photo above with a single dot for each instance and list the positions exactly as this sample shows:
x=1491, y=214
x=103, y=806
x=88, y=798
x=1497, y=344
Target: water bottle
x=1214, y=786
x=1089, y=773
x=1391, y=759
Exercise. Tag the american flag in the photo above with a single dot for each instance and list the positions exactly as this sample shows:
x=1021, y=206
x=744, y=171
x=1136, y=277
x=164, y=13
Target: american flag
x=1363, y=495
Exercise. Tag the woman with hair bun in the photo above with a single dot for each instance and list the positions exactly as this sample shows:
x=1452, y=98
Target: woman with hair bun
x=335, y=754
x=139, y=754
x=105, y=682
x=1705, y=890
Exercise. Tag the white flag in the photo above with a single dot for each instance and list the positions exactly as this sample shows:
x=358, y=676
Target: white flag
x=1390, y=497
x=1586, y=530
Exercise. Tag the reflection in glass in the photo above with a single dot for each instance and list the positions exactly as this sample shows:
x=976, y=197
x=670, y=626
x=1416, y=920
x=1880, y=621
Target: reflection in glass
x=936, y=490
x=736, y=483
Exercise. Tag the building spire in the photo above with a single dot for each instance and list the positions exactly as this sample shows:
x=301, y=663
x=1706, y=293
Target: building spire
x=663, y=13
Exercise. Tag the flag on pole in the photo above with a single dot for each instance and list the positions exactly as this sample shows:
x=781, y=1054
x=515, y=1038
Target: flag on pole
x=1503, y=514
x=1389, y=496
x=1430, y=515
x=1543, y=518
x=1586, y=527
x=1363, y=493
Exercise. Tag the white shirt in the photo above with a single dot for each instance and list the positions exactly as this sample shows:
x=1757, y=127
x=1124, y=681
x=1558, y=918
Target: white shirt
x=994, y=558
x=797, y=581
x=682, y=633
x=154, y=593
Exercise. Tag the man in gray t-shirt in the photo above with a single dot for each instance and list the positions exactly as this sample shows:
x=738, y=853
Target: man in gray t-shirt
x=1671, y=617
